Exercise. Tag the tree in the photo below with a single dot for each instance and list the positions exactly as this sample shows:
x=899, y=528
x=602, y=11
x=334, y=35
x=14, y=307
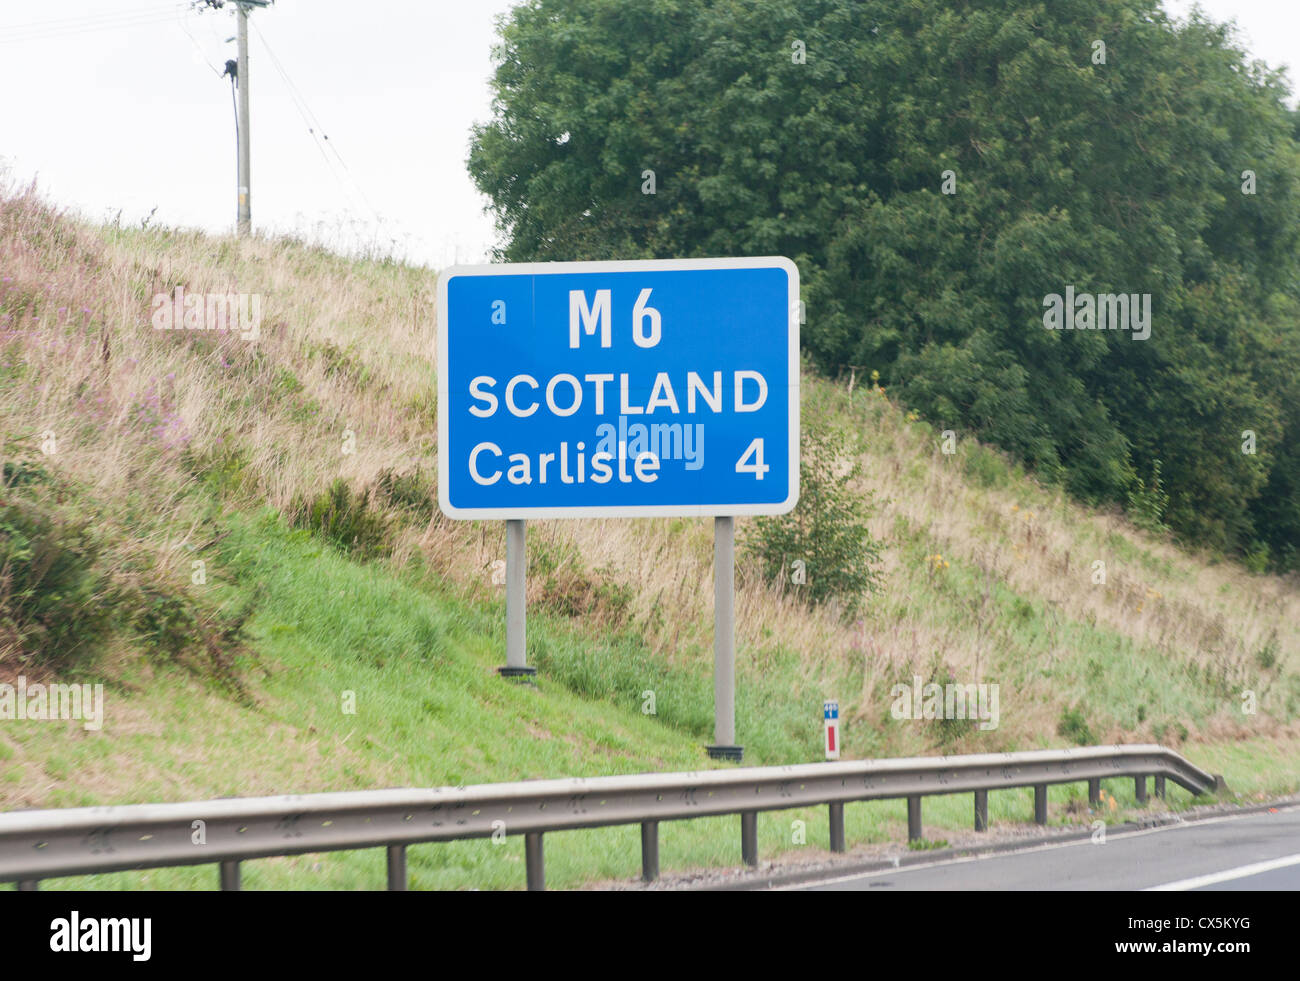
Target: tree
x=823, y=547
x=937, y=169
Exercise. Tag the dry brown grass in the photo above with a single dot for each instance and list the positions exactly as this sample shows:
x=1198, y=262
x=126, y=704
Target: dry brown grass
x=348, y=345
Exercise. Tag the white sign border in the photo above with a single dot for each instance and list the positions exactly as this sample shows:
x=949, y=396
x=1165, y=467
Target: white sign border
x=620, y=510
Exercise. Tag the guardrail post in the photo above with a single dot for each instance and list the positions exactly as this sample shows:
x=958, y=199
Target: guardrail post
x=1040, y=803
x=230, y=876
x=914, y=818
x=27, y=885
x=1094, y=791
x=749, y=837
x=534, y=862
x=649, y=851
x=981, y=810
x=1160, y=785
x=1140, y=789
x=397, y=868
x=837, y=826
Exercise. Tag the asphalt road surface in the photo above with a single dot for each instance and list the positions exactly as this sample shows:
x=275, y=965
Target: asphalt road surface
x=1256, y=851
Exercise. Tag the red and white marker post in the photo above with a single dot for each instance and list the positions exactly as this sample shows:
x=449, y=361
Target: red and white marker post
x=831, y=714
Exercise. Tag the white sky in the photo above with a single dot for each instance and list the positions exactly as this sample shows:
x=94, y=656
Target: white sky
x=117, y=107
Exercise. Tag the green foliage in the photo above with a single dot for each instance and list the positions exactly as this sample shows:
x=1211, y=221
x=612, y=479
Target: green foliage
x=927, y=844
x=223, y=469
x=1174, y=732
x=1147, y=504
x=342, y=363
x=984, y=467
x=569, y=589
x=350, y=519
x=1116, y=177
x=1266, y=656
x=23, y=473
x=827, y=530
x=410, y=492
x=950, y=731
x=64, y=593
x=1074, y=726
x=53, y=596
x=179, y=627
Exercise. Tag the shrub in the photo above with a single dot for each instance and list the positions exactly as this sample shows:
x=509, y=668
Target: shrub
x=1266, y=656
x=223, y=468
x=53, y=602
x=348, y=519
x=985, y=467
x=66, y=587
x=1074, y=726
x=827, y=530
x=569, y=589
x=1147, y=504
x=410, y=492
x=176, y=627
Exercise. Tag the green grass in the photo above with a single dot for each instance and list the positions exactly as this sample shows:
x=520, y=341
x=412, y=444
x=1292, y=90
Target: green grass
x=414, y=638
x=609, y=855
x=422, y=667
x=416, y=657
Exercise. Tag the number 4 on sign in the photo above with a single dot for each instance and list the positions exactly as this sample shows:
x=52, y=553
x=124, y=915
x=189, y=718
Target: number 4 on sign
x=756, y=466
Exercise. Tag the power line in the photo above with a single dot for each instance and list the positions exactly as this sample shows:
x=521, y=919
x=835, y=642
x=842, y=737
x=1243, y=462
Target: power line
x=313, y=124
x=197, y=47
x=160, y=16
x=305, y=112
x=85, y=18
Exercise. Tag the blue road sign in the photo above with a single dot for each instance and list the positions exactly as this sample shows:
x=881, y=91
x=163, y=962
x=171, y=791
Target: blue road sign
x=648, y=388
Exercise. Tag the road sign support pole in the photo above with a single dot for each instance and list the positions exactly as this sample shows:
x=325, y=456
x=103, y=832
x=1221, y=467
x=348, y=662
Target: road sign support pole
x=724, y=641
x=516, y=626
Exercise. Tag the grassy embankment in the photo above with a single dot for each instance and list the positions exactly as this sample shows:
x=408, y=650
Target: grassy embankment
x=184, y=446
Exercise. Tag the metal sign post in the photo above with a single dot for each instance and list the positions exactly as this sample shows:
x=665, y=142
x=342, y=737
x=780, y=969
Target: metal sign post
x=724, y=642
x=516, y=665
x=621, y=389
x=831, y=716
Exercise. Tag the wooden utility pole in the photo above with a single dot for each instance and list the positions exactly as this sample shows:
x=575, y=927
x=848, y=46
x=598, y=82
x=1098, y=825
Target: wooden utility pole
x=244, y=221
x=243, y=135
